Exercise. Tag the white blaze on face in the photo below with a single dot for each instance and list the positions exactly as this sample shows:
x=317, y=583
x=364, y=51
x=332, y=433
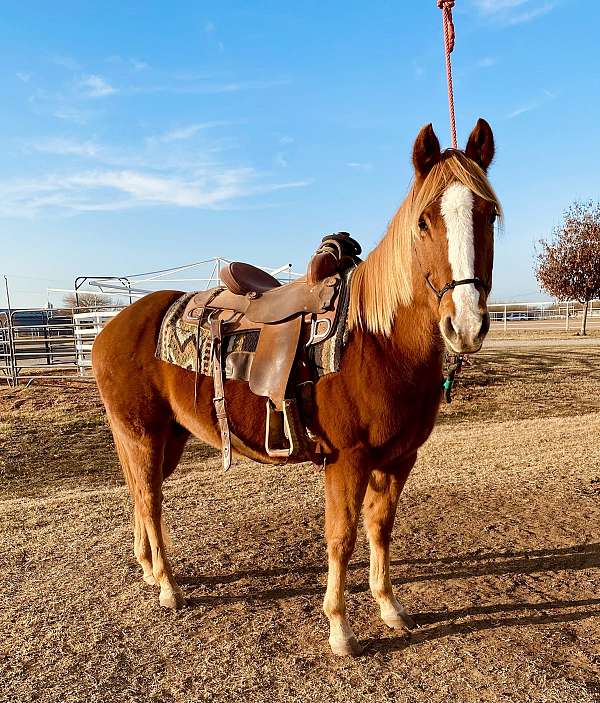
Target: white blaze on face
x=457, y=211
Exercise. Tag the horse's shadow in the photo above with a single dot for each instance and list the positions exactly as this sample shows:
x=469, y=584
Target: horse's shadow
x=433, y=625
x=447, y=627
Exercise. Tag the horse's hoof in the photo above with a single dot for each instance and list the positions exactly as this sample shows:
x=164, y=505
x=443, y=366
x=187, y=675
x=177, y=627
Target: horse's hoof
x=172, y=599
x=400, y=621
x=346, y=648
x=149, y=579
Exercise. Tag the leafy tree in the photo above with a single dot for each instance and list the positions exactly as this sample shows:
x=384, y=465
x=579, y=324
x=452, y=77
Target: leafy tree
x=568, y=266
x=89, y=301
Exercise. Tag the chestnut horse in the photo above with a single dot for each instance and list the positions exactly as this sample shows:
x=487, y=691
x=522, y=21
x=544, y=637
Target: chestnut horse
x=374, y=413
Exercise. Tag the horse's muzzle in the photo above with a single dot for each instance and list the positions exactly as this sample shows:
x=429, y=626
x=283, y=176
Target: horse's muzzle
x=465, y=338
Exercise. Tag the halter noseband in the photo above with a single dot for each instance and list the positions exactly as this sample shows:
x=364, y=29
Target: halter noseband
x=477, y=282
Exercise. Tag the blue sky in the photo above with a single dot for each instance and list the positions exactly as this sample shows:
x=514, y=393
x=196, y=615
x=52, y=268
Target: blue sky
x=136, y=136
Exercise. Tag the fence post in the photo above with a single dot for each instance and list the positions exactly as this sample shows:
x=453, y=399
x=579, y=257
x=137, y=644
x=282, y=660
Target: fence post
x=567, y=316
x=14, y=370
x=46, y=343
x=505, y=308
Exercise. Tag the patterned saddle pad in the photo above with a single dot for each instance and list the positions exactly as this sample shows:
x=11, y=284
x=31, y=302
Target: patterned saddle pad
x=188, y=345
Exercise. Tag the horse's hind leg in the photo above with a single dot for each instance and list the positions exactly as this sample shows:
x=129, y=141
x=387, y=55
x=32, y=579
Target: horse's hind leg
x=144, y=458
x=380, y=504
x=345, y=484
x=141, y=545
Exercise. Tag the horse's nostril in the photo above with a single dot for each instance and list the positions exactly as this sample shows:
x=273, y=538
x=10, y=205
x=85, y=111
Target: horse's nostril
x=448, y=328
x=485, y=325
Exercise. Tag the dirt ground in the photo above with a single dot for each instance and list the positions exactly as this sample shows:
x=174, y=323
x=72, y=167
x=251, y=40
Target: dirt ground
x=496, y=553
x=532, y=330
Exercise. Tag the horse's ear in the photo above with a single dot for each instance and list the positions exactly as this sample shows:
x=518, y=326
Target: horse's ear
x=480, y=147
x=426, y=151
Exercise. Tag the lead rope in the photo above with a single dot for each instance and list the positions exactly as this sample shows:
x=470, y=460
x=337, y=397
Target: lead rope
x=452, y=362
x=448, y=29
x=452, y=365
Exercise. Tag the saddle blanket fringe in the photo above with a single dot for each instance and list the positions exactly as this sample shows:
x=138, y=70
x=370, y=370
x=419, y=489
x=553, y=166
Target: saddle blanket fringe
x=188, y=345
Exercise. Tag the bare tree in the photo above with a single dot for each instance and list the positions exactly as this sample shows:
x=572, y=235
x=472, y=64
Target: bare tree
x=568, y=266
x=85, y=299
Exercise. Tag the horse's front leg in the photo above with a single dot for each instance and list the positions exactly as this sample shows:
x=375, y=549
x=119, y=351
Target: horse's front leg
x=345, y=485
x=380, y=504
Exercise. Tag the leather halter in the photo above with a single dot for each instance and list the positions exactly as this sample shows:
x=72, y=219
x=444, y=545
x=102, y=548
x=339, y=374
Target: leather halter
x=477, y=282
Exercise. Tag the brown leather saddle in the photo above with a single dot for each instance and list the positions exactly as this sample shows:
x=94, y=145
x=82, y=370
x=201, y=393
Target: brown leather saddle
x=289, y=319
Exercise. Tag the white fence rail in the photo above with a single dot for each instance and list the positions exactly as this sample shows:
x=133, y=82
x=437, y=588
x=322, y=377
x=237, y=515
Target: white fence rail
x=546, y=315
x=87, y=326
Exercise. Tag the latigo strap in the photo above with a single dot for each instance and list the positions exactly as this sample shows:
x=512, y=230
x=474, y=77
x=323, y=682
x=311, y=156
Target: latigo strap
x=219, y=399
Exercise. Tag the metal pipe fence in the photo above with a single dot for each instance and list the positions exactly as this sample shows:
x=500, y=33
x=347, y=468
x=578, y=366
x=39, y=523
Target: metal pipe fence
x=41, y=343
x=57, y=342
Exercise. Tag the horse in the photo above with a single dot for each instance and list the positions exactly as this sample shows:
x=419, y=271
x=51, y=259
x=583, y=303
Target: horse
x=425, y=286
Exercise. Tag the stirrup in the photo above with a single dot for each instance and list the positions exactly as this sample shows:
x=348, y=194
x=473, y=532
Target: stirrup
x=284, y=435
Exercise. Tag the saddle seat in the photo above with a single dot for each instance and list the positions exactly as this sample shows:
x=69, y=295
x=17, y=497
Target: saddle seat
x=242, y=279
x=289, y=319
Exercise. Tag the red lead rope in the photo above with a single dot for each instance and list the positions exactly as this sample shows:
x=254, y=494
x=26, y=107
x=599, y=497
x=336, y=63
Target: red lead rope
x=448, y=25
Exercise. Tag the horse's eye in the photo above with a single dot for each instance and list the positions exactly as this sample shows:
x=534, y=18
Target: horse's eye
x=422, y=225
x=493, y=217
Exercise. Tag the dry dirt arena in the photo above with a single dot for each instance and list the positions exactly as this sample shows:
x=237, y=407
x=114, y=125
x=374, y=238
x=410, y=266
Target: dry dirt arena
x=496, y=552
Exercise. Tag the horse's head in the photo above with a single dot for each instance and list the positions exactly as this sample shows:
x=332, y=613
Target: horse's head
x=455, y=207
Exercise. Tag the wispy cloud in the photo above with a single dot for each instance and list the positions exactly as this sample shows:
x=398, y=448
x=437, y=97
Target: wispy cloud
x=209, y=88
x=67, y=62
x=132, y=64
x=493, y=7
x=71, y=113
x=95, y=86
x=179, y=167
x=360, y=166
x=70, y=100
x=546, y=96
x=150, y=177
x=111, y=190
x=209, y=27
x=199, y=86
x=66, y=107
x=522, y=110
x=487, y=62
x=188, y=131
x=68, y=147
x=418, y=69
x=513, y=12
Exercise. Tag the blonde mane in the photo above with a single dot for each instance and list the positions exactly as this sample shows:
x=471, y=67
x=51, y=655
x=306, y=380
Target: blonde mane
x=383, y=282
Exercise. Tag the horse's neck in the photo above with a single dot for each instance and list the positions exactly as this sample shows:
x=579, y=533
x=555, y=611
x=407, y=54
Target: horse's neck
x=415, y=331
x=416, y=334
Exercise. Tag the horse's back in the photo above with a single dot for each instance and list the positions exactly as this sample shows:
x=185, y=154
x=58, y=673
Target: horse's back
x=123, y=354
x=136, y=323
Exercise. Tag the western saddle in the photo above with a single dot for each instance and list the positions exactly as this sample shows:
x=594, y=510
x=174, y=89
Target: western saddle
x=289, y=319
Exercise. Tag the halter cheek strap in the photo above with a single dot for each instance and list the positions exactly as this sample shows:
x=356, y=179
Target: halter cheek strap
x=477, y=282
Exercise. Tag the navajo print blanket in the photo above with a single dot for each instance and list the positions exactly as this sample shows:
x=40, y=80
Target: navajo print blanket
x=188, y=345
